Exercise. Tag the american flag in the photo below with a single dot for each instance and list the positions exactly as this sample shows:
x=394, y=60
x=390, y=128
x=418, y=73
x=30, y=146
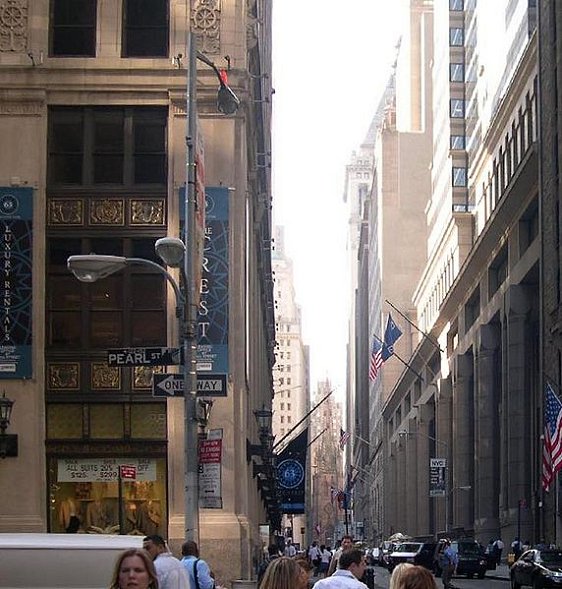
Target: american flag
x=376, y=359
x=344, y=437
x=333, y=494
x=552, y=446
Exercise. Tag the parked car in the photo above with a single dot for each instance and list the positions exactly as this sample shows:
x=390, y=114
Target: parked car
x=420, y=553
x=385, y=550
x=472, y=559
x=541, y=569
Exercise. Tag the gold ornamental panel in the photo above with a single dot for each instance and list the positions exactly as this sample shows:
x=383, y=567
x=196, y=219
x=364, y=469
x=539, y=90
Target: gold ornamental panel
x=142, y=376
x=107, y=211
x=64, y=376
x=65, y=212
x=104, y=377
x=64, y=421
x=147, y=212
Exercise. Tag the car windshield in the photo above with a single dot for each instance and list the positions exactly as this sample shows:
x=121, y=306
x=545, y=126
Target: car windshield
x=468, y=549
x=408, y=548
x=551, y=558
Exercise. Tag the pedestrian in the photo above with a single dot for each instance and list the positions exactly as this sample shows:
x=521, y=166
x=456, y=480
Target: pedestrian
x=516, y=548
x=169, y=570
x=397, y=574
x=416, y=577
x=314, y=555
x=200, y=576
x=284, y=573
x=346, y=544
x=526, y=546
x=498, y=549
x=448, y=561
x=290, y=549
x=352, y=566
x=272, y=554
x=134, y=569
x=325, y=559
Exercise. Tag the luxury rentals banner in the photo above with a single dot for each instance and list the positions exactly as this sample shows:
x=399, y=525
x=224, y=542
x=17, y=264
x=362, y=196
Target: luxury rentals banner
x=16, y=226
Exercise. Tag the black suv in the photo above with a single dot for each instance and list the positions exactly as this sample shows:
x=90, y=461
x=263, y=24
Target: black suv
x=472, y=558
x=421, y=553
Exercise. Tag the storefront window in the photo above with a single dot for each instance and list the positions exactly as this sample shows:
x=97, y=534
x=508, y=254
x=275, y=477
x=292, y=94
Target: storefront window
x=84, y=496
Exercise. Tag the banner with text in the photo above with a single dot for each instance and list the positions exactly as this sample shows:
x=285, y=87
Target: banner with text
x=210, y=463
x=102, y=470
x=16, y=226
x=437, y=477
x=291, y=469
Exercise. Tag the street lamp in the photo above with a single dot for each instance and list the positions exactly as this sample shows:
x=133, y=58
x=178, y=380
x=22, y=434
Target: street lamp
x=93, y=267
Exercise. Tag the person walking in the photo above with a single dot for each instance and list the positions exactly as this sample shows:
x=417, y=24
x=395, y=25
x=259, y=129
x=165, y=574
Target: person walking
x=284, y=573
x=134, y=570
x=197, y=569
x=272, y=554
x=325, y=559
x=290, y=549
x=169, y=570
x=448, y=562
x=314, y=556
x=498, y=549
x=346, y=544
x=352, y=565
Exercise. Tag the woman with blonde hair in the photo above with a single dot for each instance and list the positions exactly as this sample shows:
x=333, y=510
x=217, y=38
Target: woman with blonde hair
x=397, y=573
x=134, y=568
x=415, y=577
x=284, y=573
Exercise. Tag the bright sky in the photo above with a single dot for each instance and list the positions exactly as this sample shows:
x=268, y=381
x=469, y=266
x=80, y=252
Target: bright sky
x=331, y=63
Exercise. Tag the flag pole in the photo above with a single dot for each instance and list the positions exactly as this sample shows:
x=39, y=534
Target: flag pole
x=403, y=362
x=431, y=340
x=303, y=419
x=323, y=431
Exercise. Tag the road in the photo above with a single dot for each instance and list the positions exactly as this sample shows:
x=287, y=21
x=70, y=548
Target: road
x=382, y=579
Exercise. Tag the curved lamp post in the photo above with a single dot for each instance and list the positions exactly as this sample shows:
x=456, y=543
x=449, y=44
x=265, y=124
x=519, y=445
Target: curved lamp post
x=93, y=267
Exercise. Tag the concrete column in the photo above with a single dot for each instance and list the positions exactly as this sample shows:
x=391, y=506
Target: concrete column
x=443, y=420
x=487, y=428
x=517, y=403
x=462, y=463
x=402, y=477
x=423, y=503
x=411, y=482
x=390, y=487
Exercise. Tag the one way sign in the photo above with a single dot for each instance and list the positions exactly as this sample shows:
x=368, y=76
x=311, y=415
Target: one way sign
x=172, y=385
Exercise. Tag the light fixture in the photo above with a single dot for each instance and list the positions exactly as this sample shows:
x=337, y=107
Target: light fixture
x=263, y=417
x=91, y=267
x=8, y=442
x=171, y=251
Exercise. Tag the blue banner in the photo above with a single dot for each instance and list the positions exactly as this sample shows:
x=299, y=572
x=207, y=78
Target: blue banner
x=291, y=471
x=212, y=318
x=16, y=225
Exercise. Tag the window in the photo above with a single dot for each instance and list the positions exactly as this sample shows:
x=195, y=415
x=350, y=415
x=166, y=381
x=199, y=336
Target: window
x=456, y=37
x=459, y=177
x=456, y=5
x=105, y=145
x=73, y=28
x=457, y=108
x=458, y=142
x=145, y=28
x=456, y=72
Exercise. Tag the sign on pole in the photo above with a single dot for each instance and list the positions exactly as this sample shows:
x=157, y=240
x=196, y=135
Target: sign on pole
x=173, y=385
x=144, y=357
x=128, y=471
x=437, y=477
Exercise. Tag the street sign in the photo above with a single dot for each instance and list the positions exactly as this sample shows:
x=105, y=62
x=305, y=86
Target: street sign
x=437, y=477
x=144, y=357
x=172, y=385
x=128, y=471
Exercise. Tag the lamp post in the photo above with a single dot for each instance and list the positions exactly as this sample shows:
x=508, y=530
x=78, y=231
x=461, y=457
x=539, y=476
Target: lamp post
x=93, y=267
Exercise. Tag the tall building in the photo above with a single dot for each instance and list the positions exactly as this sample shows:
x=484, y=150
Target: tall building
x=94, y=108
x=292, y=371
x=477, y=386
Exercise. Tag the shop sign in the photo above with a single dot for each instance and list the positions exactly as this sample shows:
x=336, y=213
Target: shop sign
x=102, y=470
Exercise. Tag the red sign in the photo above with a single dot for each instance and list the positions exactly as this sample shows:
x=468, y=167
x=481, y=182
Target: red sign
x=210, y=451
x=128, y=472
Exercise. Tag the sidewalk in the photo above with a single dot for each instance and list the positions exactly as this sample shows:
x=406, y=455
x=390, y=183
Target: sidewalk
x=501, y=572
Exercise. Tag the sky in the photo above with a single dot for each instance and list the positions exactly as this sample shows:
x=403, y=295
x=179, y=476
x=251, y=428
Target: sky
x=331, y=62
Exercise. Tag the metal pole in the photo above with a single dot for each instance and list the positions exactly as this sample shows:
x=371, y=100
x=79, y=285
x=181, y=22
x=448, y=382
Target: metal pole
x=189, y=321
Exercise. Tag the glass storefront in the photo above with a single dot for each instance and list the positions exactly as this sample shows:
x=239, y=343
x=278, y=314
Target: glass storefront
x=85, y=498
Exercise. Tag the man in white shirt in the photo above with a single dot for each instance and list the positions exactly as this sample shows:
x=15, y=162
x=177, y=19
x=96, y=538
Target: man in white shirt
x=351, y=568
x=346, y=544
x=290, y=550
x=169, y=570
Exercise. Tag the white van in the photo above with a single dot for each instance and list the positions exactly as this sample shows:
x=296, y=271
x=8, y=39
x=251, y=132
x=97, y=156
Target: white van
x=60, y=561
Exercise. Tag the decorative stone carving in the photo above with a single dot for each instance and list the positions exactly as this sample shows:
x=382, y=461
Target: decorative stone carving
x=105, y=377
x=107, y=211
x=65, y=212
x=147, y=212
x=64, y=376
x=142, y=376
x=13, y=25
x=205, y=19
